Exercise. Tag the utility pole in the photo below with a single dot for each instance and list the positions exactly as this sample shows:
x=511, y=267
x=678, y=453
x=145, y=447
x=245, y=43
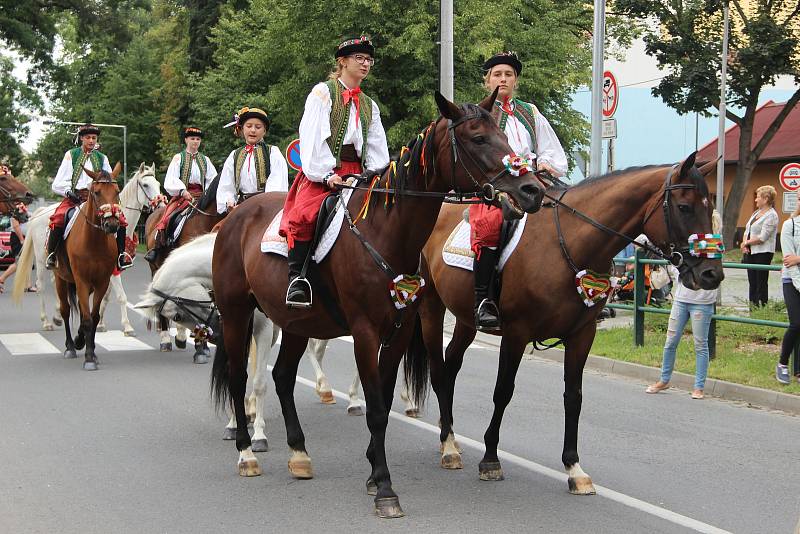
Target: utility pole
x=446, y=49
x=598, y=46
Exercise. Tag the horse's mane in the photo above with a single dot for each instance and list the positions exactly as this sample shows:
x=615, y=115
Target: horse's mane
x=193, y=256
x=694, y=176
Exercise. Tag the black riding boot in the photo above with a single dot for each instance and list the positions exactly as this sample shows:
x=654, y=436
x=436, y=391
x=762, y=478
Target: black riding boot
x=298, y=295
x=124, y=259
x=487, y=316
x=152, y=254
x=56, y=234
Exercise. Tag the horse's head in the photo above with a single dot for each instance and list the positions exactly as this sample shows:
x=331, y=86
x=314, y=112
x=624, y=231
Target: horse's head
x=473, y=154
x=104, y=197
x=686, y=213
x=148, y=190
x=12, y=191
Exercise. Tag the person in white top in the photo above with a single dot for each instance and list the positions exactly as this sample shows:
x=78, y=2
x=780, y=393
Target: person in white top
x=697, y=305
x=758, y=244
x=340, y=133
x=73, y=183
x=531, y=136
x=254, y=168
x=188, y=175
x=790, y=276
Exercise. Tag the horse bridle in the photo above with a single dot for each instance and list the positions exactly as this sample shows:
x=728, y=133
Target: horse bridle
x=677, y=254
x=183, y=305
x=94, y=198
x=10, y=199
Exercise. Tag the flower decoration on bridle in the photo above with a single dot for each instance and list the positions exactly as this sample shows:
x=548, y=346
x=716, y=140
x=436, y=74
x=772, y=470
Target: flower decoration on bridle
x=202, y=332
x=519, y=165
x=706, y=245
x=107, y=211
x=158, y=201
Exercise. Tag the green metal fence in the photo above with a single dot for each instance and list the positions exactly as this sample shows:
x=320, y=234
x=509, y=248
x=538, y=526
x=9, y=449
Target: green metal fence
x=639, y=308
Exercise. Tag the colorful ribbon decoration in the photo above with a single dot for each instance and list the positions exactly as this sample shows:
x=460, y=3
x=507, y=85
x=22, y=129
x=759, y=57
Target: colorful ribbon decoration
x=706, y=245
x=593, y=287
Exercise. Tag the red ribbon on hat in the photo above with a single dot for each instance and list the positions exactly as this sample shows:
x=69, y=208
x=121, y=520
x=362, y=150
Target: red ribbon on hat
x=352, y=94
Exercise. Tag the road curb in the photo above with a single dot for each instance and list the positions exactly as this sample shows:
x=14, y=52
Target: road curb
x=763, y=398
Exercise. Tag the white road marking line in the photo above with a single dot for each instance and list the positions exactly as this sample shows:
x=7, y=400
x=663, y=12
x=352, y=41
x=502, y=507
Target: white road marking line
x=26, y=344
x=621, y=498
x=116, y=340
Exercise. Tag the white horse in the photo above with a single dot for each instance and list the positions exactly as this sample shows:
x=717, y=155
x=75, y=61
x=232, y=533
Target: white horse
x=138, y=193
x=180, y=291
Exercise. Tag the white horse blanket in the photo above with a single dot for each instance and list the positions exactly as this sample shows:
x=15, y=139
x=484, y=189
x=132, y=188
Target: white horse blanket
x=457, y=252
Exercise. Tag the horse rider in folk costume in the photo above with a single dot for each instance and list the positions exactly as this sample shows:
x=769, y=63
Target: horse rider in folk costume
x=254, y=168
x=340, y=133
x=528, y=132
x=73, y=183
x=188, y=175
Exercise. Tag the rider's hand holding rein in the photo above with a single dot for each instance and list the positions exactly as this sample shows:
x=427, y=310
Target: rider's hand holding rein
x=333, y=180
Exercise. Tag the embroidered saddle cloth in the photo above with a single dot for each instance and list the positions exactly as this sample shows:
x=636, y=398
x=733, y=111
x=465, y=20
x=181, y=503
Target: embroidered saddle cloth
x=457, y=252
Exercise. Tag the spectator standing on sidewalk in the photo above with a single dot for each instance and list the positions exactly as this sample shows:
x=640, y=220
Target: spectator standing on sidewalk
x=790, y=276
x=758, y=244
x=697, y=305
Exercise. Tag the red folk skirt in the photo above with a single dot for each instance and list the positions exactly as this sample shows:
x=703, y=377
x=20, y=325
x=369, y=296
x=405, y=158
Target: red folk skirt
x=485, y=222
x=57, y=218
x=303, y=202
x=178, y=203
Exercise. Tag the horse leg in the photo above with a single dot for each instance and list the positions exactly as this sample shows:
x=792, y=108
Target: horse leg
x=262, y=333
x=316, y=351
x=576, y=350
x=165, y=339
x=354, y=407
x=40, y=286
x=411, y=409
x=122, y=300
x=101, y=326
x=201, y=352
x=62, y=288
x=511, y=349
x=58, y=320
x=181, y=336
x=378, y=381
x=284, y=374
x=463, y=334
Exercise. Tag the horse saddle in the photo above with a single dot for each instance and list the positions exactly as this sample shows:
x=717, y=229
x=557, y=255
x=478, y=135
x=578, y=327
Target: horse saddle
x=69, y=217
x=329, y=222
x=175, y=224
x=458, y=253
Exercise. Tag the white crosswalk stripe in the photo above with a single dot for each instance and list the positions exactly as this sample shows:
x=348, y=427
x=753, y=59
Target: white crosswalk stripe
x=33, y=343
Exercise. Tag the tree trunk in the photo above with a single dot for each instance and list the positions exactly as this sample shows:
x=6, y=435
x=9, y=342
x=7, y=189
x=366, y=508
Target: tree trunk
x=744, y=170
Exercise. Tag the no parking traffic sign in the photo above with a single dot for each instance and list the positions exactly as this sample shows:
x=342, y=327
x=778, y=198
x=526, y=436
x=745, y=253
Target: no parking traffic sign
x=293, y=155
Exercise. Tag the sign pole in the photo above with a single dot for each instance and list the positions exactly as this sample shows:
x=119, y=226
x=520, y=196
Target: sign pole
x=597, y=90
x=721, y=138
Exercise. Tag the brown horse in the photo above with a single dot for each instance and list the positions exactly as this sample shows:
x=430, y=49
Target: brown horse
x=11, y=192
x=200, y=222
x=462, y=152
x=539, y=299
x=86, y=261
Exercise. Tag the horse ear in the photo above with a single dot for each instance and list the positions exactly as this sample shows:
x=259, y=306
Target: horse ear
x=92, y=174
x=706, y=169
x=117, y=170
x=141, y=168
x=687, y=165
x=447, y=108
x=488, y=102
x=147, y=302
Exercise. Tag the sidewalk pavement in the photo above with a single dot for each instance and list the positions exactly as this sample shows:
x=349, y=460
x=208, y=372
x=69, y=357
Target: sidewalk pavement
x=754, y=397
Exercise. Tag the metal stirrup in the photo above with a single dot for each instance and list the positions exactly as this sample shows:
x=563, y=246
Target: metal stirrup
x=294, y=304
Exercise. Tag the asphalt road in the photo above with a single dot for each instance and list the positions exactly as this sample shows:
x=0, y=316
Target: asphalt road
x=136, y=447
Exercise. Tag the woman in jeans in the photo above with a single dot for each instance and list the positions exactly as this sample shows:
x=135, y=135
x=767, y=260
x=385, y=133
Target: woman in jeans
x=697, y=305
x=790, y=276
x=758, y=244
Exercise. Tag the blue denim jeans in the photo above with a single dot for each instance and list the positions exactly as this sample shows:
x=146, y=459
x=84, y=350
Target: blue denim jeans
x=700, y=315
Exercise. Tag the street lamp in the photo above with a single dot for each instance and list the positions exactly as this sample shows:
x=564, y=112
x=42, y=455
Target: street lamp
x=124, y=139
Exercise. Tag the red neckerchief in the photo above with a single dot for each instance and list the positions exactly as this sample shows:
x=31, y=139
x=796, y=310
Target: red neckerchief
x=508, y=107
x=352, y=94
x=249, y=151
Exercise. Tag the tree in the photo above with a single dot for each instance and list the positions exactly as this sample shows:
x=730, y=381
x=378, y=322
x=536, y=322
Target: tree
x=764, y=44
x=265, y=56
x=15, y=98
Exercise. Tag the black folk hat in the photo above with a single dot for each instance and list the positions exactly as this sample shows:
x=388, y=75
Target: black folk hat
x=192, y=131
x=503, y=58
x=355, y=45
x=87, y=129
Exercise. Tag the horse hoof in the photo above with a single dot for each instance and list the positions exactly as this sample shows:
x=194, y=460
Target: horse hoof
x=259, y=445
x=129, y=333
x=181, y=344
x=452, y=461
x=48, y=328
x=90, y=366
x=327, y=397
x=388, y=508
x=102, y=328
x=581, y=486
x=80, y=344
x=490, y=471
x=300, y=467
x=165, y=347
x=58, y=321
x=200, y=357
x=69, y=354
x=229, y=434
x=355, y=410
x=372, y=487
x=249, y=468
x=412, y=412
